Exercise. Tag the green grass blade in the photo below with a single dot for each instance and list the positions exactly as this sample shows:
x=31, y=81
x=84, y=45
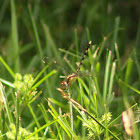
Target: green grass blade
x=15, y=43
x=6, y=104
x=41, y=128
x=60, y=121
x=115, y=34
x=36, y=33
x=44, y=113
x=101, y=46
x=137, y=62
x=7, y=83
x=134, y=89
x=42, y=72
x=110, y=96
x=118, y=56
x=106, y=77
x=36, y=96
x=7, y=67
x=128, y=70
x=35, y=118
x=43, y=79
x=52, y=100
x=50, y=44
x=76, y=40
x=126, y=80
x=17, y=108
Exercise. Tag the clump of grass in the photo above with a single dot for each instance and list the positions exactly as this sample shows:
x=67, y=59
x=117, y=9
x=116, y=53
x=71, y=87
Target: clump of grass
x=23, y=133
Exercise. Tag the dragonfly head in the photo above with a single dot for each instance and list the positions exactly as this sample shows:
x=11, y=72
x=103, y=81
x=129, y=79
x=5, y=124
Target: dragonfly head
x=64, y=85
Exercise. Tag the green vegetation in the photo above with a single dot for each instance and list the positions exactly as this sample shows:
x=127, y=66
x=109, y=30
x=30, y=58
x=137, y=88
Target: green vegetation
x=103, y=104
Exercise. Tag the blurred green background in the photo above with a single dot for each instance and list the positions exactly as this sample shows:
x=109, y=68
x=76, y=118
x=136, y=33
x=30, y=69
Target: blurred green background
x=63, y=17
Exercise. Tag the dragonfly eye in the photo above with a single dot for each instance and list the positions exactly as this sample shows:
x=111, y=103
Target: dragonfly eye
x=64, y=85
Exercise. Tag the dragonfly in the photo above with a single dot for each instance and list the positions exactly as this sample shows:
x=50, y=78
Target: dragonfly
x=72, y=77
x=68, y=82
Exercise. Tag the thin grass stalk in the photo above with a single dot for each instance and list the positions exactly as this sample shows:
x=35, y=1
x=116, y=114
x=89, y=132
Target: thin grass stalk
x=68, y=62
x=128, y=70
x=101, y=46
x=43, y=110
x=76, y=41
x=111, y=79
x=35, y=118
x=56, y=102
x=88, y=34
x=44, y=78
x=106, y=124
x=127, y=76
x=41, y=128
x=55, y=115
x=63, y=123
x=36, y=33
x=7, y=67
x=96, y=80
x=106, y=78
x=68, y=52
x=84, y=98
x=40, y=73
x=17, y=113
x=36, y=135
x=14, y=28
x=136, y=61
x=2, y=110
x=94, y=69
x=115, y=34
x=81, y=101
x=132, y=88
x=118, y=59
x=96, y=104
x=50, y=44
x=71, y=111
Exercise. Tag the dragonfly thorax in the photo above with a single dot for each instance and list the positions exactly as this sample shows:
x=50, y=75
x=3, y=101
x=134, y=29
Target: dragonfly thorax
x=69, y=81
x=71, y=78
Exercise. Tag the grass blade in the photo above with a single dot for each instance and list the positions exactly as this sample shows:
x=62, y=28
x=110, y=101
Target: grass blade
x=15, y=43
x=106, y=78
